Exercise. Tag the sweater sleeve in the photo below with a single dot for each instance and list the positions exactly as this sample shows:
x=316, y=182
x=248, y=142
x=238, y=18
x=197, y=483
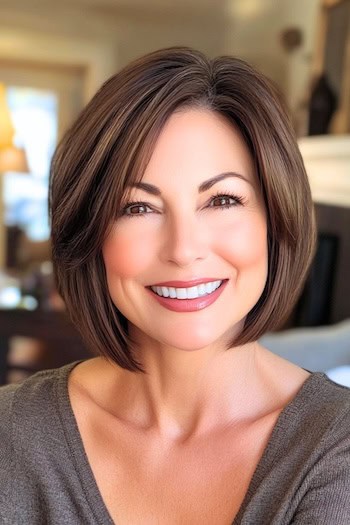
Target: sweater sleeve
x=6, y=453
x=327, y=498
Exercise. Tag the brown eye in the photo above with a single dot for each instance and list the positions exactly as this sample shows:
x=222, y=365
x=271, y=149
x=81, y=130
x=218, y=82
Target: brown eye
x=136, y=208
x=224, y=201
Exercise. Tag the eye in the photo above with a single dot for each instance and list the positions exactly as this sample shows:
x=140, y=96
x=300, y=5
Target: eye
x=224, y=201
x=136, y=209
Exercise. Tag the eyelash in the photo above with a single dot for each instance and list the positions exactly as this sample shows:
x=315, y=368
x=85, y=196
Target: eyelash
x=237, y=198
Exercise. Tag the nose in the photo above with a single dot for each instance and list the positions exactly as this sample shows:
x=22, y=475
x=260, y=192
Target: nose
x=186, y=240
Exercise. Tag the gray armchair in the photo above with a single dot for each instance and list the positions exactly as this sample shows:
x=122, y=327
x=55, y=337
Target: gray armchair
x=321, y=348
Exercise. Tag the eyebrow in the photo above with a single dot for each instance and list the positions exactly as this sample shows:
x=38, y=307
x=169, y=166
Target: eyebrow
x=204, y=186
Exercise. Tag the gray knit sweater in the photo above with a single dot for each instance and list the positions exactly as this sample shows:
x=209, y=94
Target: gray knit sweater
x=303, y=476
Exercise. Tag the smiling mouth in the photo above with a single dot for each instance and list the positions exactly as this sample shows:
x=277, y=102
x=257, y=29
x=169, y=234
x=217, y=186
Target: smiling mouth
x=193, y=292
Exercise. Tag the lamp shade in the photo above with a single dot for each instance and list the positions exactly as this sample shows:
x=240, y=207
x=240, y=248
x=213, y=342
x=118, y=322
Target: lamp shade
x=7, y=130
x=13, y=159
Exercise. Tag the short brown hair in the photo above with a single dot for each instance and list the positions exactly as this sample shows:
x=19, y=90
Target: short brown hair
x=108, y=147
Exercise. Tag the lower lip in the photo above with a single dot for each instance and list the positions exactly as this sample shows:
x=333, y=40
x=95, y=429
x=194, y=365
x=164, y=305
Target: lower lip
x=189, y=305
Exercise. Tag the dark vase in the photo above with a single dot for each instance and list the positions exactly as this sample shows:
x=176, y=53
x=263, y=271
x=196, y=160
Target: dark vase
x=323, y=103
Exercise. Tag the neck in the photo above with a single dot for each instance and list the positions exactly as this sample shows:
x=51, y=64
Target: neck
x=188, y=393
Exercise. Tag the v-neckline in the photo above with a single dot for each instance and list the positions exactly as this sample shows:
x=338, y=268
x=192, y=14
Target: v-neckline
x=87, y=478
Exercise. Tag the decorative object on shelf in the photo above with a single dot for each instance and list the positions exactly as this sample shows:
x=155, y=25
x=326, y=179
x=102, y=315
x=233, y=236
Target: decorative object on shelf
x=291, y=38
x=332, y=59
x=323, y=103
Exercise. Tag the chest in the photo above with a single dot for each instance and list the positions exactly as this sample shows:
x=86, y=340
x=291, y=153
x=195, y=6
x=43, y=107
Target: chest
x=143, y=481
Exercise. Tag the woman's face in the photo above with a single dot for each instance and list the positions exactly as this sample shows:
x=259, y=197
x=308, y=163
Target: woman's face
x=196, y=217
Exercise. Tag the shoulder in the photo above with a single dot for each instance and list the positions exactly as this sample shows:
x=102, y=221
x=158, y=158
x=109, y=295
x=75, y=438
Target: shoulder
x=319, y=421
x=6, y=397
x=6, y=400
x=333, y=406
x=321, y=393
x=16, y=410
x=23, y=404
x=311, y=438
x=22, y=399
x=308, y=395
x=320, y=413
x=26, y=409
x=7, y=394
x=325, y=427
x=12, y=398
x=304, y=474
x=37, y=468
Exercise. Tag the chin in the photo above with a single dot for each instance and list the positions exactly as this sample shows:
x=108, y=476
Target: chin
x=199, y=340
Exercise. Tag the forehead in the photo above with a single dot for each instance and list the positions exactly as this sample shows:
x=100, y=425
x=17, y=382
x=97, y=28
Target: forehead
x=196, y=144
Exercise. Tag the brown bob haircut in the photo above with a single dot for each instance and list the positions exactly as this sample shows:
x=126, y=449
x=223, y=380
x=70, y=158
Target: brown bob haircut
x=108, y=148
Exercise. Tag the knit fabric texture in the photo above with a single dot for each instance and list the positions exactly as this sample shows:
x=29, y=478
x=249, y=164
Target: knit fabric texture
x=303, y=476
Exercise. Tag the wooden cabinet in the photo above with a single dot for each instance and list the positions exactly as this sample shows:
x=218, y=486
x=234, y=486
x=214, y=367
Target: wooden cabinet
x=63, y=343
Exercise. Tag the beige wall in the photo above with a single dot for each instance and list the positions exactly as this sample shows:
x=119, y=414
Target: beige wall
x=101, y=41
x=104, y=41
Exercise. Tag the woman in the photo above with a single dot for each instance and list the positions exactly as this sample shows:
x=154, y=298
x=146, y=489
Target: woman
x=182, y=230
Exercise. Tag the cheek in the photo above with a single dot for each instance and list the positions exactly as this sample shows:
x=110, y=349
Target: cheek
x=126, y=254
x=245, y=241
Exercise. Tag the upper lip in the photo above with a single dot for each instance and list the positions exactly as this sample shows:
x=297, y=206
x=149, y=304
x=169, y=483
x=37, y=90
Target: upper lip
x=188, y=284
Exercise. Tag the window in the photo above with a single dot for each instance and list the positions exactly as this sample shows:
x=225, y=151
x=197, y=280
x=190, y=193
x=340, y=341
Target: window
x=35, y=118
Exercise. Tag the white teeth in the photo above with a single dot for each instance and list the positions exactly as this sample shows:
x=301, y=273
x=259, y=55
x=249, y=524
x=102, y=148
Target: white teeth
x=192, y=293
x=165, y=291
x=187, y=293
x=201, y=289
x=181, y=293
x=209, y=287
x=172, y=293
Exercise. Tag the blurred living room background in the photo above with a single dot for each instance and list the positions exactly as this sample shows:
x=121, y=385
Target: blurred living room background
x=53, y=58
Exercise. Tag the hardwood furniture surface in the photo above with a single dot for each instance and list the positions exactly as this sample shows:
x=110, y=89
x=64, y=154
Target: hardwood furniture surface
x=63, y=342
